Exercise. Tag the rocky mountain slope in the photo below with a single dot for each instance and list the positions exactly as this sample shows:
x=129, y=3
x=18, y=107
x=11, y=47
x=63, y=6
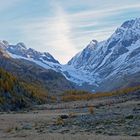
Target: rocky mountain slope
x=114, y=63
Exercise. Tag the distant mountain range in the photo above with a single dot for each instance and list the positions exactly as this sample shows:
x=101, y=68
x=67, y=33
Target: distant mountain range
x=101, y=66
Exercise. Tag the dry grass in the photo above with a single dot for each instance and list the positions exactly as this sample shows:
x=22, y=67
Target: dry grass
x=72, y=114
x=11, y=129
x=88, y=96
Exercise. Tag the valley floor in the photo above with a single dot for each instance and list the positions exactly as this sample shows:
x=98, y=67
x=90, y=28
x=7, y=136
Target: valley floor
x=112, y=118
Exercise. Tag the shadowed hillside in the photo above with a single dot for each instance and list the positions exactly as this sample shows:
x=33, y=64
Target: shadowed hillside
x=30, y=72
x=15, y=95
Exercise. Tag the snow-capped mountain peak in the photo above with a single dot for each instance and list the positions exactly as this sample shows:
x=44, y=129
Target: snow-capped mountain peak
x=128, y=29
x=81, y=58
x=93, y=43
x=21, y=45
x=20, y=51
x=4, y=44
x=133, y=24
x=111, y=59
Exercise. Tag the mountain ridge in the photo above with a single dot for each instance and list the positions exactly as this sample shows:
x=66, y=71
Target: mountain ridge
x=113, y=54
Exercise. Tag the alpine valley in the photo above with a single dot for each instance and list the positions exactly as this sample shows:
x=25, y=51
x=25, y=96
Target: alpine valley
x=96, y=95
x=102, y=66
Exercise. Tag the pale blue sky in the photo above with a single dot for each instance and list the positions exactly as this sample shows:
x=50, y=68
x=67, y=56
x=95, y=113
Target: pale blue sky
x=63, y=27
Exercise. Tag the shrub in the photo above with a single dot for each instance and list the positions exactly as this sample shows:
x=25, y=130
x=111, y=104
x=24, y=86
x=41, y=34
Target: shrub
x=59, y=121
x=19, y=94
x=91, y=109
